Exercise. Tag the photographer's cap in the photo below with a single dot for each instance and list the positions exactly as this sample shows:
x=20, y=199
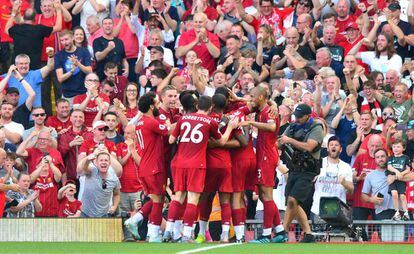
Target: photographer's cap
x=302, y=110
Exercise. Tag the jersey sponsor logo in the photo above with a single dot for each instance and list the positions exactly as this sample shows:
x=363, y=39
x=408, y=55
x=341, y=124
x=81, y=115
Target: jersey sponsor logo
x=162, y=117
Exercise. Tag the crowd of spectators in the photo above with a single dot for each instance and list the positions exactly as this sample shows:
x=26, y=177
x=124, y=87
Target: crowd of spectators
x=73, y=72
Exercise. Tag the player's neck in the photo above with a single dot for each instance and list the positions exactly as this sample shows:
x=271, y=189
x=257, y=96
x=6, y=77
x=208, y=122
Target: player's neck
x=149, y=114
x=202, y=112
x=261, y=107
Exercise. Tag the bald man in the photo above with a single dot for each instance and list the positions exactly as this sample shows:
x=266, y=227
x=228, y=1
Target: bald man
x=364, y=164
x=204, y=43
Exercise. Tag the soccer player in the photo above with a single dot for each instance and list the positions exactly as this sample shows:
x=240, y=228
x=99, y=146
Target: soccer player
x=267, y=159
x=194, y=131
x=218, y=175
x=152, y=173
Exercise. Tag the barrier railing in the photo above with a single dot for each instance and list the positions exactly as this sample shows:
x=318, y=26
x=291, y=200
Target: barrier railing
x=61, y=230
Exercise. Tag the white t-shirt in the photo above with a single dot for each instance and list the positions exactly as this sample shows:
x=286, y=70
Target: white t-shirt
x=381, y=64
x=88, y=10
x=328, y=184
x=14, y=127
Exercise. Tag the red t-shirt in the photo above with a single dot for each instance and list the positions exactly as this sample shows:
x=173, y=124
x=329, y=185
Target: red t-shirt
x=5, y=10
x=266, y=148
x=53, y=121
x=363, y=162
x=218, y=157
x=67, y=207
x=241, y=153
x=129, y=179
x=35, y=156
x=194, y=131
x=208, y=61
x=162, y=118
x=2, y=200
x=131, y=112
x=410, y=195
x=341, y=26
x=91, y=109
x=53, y=39
x=129, y=39
x=48, y=190
x=275, y=20
x=211, y=13
x=89, y=145
x=150, y=133
x=120, y=84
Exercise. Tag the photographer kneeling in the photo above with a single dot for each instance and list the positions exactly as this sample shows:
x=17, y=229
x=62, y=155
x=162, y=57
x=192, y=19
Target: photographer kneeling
x=300, y=144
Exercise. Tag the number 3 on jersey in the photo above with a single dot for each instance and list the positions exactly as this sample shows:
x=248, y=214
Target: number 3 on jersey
x=194, y=135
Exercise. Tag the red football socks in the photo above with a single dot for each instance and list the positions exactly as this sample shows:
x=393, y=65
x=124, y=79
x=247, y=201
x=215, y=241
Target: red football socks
x=190, y=214
x=269, y=213
x=225, y=213
x=146, y=209
x=156, y=213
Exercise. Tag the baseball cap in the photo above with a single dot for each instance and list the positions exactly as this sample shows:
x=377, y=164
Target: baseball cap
x=302, y=110
x=410, y=125
x=394, y=6
x=352, y=25
x=99, y=124
x=12, y=90
x=158, y=48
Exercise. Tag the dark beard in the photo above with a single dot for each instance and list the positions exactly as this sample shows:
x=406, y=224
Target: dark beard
x=337, y=153
x=156, y=112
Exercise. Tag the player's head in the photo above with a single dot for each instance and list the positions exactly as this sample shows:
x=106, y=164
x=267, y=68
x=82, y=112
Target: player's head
x=381, y=158
x=148, y=103
x=189, y=102
x=219, y=102
x=334, y=147
x=204, y=103
x=259, y=96
x=398, y=146
x=224, y=91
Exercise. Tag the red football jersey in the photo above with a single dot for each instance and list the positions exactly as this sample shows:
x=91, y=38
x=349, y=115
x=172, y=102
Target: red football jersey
x=48, y=190
x=91, y=108
x=150, y=133
x=129, y=179
x=266, y=147
x=363, y=162
x=218, y=157
x=68, y=208
x=162, y=118
x=241, y=153
x=194, y=131
x=35, y=156
x=54, y=122
x=89, y=145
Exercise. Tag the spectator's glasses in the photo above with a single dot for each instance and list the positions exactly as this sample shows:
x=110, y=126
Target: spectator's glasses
x=132, y=90
x=306, y=4
x=40, y=114
x=102, y=129
x=386, y=115
x=104, y=185
x=93, y=80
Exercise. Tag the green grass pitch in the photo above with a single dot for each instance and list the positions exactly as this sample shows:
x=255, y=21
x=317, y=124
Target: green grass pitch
x=143, y=248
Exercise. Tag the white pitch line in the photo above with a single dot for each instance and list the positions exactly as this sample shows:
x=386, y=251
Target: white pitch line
x=206, y=248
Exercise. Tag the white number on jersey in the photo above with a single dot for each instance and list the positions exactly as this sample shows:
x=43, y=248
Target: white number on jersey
x=196, y=136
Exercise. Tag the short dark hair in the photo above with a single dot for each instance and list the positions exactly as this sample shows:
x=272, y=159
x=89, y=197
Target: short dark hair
x=328, y=16
x=219, y=101
x=400, y=141
x=62, y=100
x=334, y=138
x=159, y=73
x=145, y=102
x=110, y=65
x=381, y=149
x=223, y=91
x=156, y=64
x=34, y=108
x=232, y=36
x=188, y=101
x=204, y=103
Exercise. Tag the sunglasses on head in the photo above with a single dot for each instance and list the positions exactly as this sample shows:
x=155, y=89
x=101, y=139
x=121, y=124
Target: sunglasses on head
x=40, y=114
x=104, y=185
x=386, y=115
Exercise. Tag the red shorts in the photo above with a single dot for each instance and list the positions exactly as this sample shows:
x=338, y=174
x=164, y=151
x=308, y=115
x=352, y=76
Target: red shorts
x=189, y=179
x=218, y=179
x=244, y=174
x=266, y=174
x=154, y=184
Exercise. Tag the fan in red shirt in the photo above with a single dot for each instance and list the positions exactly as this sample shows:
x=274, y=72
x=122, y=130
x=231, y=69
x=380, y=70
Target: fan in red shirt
x=70, y=142
x=5, y=7
x=152, y=173
x=48, y=18
x=90, y=102
x=352, y=37
x=267, y=158
x=69, y=206
x=61, y=120
x=45, y=179
x=194, y=131
x=34, y=155
x=203, y=42
x=364, y=164
x=119, y=82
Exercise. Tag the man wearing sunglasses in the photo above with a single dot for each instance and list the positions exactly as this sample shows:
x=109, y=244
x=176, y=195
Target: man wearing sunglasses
x=39, y=119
